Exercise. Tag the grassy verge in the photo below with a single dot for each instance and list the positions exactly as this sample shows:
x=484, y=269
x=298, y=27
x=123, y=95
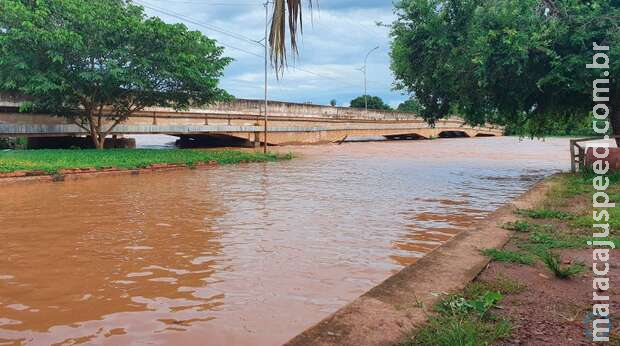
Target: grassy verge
x=540, y=242
x=52, y=161
x=562, y=221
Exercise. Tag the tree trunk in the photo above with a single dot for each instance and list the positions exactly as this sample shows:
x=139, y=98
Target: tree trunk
x=95, y=133
x=99, y=142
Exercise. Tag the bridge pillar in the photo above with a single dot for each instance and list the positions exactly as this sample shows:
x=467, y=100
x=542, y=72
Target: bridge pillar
x=256, y=139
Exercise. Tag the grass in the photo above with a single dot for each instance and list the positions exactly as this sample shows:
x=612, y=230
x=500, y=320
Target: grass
x=562, y=221
x=544, y=213
x=568, y=230
x=538, y=242
x=523, y=226
x=554, y=263
x=586, y=221
x=465, y=319
x=509, y=256
x=451, y=331
x=52, y=161
x=501, y=283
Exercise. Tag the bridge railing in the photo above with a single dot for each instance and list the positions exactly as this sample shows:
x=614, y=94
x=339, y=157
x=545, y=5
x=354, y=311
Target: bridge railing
x=277, y=109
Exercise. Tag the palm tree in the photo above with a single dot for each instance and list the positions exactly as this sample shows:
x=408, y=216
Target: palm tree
x=285, y=13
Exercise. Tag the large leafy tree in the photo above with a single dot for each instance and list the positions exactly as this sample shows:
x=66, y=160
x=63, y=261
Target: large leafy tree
x=374, y=102
x=515, y=62
x=99, y=62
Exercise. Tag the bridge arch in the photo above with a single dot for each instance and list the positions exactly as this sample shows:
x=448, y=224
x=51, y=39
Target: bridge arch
x=453, y=134
x=212, y=140
x=406, y=136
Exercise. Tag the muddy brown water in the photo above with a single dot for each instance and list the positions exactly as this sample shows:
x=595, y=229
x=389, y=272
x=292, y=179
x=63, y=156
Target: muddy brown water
x=245, y=254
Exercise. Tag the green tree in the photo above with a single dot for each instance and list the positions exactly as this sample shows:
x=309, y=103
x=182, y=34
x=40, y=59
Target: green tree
x=99, y=62
x=412, y=106
x=374, y=102
x=514, y=62
x=333, y=103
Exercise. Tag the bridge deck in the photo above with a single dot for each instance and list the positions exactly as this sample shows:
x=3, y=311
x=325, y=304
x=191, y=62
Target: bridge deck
x=288, y=123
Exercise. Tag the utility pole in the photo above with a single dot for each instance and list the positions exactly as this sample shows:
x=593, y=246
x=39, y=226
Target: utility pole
x=365, y=82
x=266, y=42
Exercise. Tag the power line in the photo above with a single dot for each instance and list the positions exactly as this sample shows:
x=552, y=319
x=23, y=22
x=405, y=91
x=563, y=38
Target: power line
x=210, y=3
x=324, y=76
x=237, y=36
x=207, y=26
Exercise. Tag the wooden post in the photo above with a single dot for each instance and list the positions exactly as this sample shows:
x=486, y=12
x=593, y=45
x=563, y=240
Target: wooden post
x=581, y=158
x=573, y=167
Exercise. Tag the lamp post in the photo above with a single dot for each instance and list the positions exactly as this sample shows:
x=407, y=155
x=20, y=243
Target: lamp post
x=266, y=75
x=365, y=81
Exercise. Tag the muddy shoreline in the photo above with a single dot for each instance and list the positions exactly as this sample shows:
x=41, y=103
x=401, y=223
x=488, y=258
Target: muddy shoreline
x=384, y=314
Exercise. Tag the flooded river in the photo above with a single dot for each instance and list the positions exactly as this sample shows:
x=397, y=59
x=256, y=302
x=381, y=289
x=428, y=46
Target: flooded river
x=246, y=254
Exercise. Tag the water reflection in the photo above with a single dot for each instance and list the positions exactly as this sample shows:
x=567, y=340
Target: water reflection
x=250, y=254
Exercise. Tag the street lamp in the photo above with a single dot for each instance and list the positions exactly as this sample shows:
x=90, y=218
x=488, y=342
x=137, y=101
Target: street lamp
x=363, y=69
x=266, y=65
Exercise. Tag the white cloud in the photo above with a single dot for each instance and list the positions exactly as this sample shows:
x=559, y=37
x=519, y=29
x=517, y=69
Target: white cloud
x=332, y=48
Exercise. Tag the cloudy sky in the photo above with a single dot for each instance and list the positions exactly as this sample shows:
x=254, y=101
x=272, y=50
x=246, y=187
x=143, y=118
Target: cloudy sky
x=336, y=38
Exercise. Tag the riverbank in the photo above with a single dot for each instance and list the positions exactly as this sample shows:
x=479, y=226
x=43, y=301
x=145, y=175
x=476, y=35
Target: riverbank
x=535, y=290
x=538, y=288
x=28, y=163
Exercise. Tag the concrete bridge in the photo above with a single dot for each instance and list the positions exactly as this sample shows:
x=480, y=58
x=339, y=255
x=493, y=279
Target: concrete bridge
x=241, y=120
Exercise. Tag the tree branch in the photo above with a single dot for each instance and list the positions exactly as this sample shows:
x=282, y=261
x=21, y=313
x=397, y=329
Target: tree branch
x=116, y=122
x=80, y=125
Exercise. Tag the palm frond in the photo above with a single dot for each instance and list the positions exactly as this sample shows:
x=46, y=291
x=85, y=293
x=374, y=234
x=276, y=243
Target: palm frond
x=285, y=11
